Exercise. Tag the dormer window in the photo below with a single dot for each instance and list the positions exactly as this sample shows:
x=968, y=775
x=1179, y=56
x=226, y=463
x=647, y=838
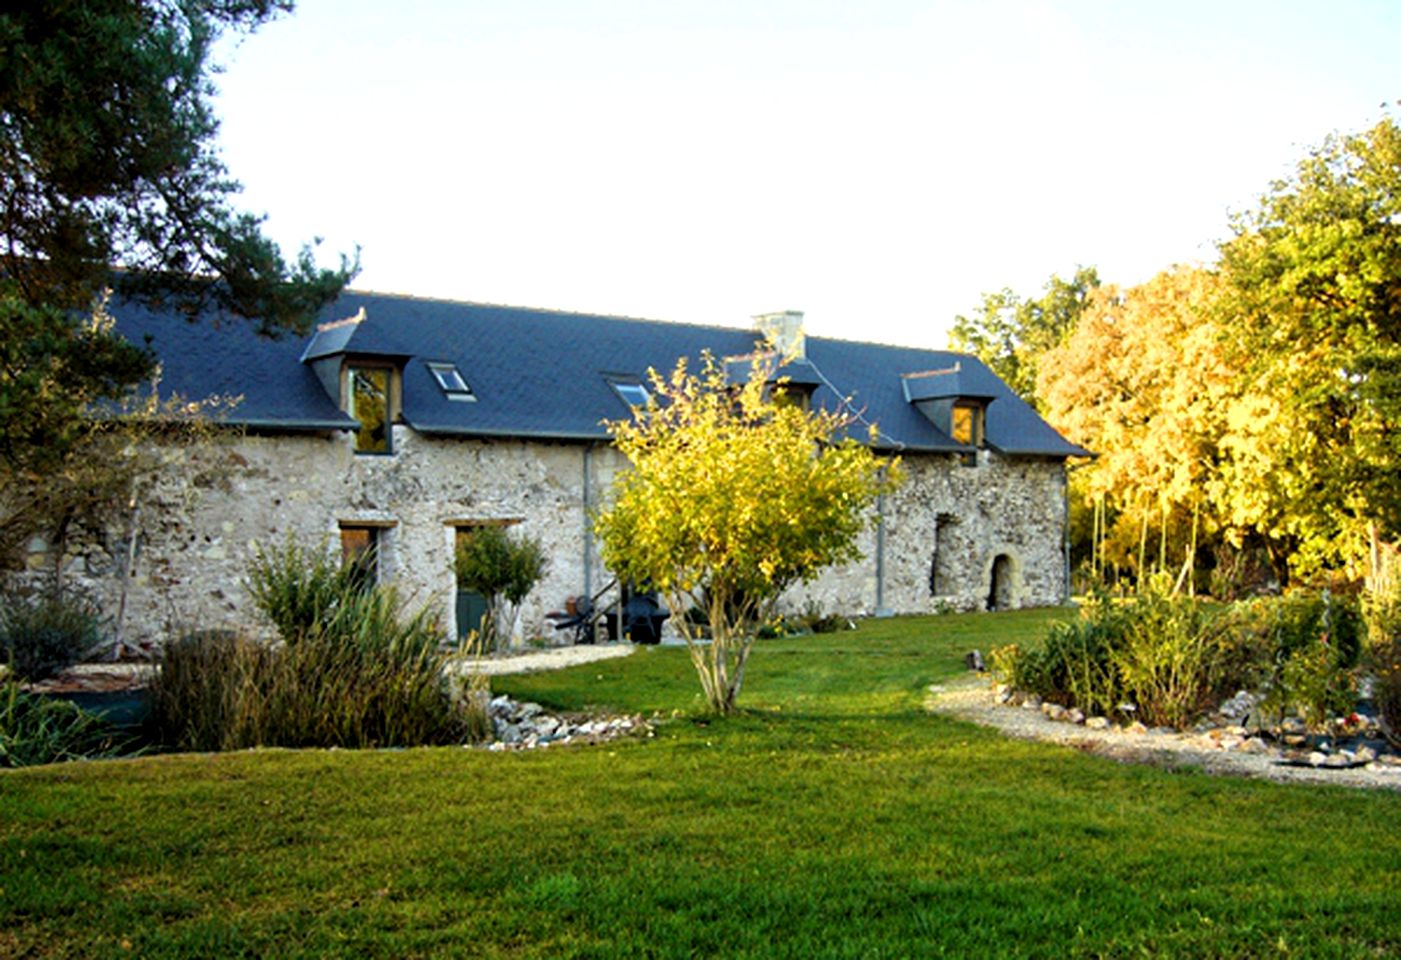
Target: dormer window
x=450, y=381
x=787, y=381
x=955, y=401
x=369, y=398
x=787, y=394
x=967, y=423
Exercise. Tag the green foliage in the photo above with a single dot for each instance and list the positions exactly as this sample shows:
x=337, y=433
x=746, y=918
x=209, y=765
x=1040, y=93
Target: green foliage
x=1315, y=281
x=1142, y=380
x=1307, y=648
x=813, y=620
x=1075, y=664
x=54, y=366
x=41, y=637
x=1174, y=657
x=1171, y=661
x=730, y=500
x=1383, y=650
x=1010, y=333
x=352, y=670
x=1251, y=410
x=57, y=464
x=109, y=157
x=36, y=729
x=300, y=591
x=499, y=566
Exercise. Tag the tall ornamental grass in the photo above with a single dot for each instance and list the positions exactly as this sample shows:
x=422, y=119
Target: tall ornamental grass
x=351, y=669
x=36, y=729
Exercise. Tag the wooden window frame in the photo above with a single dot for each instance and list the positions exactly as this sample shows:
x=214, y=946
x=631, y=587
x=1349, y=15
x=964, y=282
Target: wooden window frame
x=393, y=397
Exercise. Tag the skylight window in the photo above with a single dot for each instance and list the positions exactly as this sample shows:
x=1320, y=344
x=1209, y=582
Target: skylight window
x=451, y=382
x=633, y=394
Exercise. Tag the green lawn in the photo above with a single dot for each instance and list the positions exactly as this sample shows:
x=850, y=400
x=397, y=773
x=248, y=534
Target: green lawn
x=834, y=819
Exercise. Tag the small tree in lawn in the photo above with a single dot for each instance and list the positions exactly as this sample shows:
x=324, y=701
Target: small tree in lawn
x=499, y=567
x=732, y=498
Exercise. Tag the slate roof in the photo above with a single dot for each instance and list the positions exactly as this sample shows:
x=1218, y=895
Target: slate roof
x=545, y=374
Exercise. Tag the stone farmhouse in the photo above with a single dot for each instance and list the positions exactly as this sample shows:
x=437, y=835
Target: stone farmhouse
x=403, y=423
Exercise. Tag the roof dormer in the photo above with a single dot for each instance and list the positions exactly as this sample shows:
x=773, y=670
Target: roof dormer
x=796, y=378
x=952, y=402
x=367, y=385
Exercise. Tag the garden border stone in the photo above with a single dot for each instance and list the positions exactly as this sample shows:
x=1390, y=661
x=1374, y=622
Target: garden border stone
x=975, y=700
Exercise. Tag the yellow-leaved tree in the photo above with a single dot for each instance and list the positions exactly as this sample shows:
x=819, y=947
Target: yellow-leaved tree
x=735, y=493
x=1145, y=381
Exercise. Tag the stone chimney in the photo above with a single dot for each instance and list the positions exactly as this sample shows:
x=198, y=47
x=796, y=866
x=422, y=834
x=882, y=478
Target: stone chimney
x=784, y=333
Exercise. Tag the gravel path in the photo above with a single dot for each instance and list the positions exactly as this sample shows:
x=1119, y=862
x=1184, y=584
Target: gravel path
x=972, y=699
x=97, y=677
x=553, y=658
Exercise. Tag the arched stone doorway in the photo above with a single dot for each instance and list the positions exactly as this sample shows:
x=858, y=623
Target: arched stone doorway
x=1003, y=582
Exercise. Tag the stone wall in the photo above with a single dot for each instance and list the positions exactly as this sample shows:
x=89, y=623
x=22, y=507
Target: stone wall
x=942, y=533
x=197, y=528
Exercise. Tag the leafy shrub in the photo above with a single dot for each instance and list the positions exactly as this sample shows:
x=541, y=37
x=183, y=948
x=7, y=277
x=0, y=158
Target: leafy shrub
x=1383, y=612
x=1173, y=657
x=1162, y=653
x=297, y=590
x=35, y=729
x=353, y=671
x=1170, y=658
x=1308, y=646
x=40, y=638
x=1074, y=666
x=491, y=562
x=813, y=620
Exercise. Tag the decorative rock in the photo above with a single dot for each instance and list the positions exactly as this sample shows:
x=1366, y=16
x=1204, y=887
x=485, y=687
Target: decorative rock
x=1317, y=759
x=1032, y=702
x=1057, y=712
x=1365, y=753
x=1136, y=727
x=1253, y=745
x=525, y=726
x=1097, y=723
x=1238, y=707
x=1075, y=716
x=546, y=725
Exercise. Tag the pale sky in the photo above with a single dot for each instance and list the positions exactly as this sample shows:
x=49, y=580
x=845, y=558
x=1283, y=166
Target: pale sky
x=877, y=164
